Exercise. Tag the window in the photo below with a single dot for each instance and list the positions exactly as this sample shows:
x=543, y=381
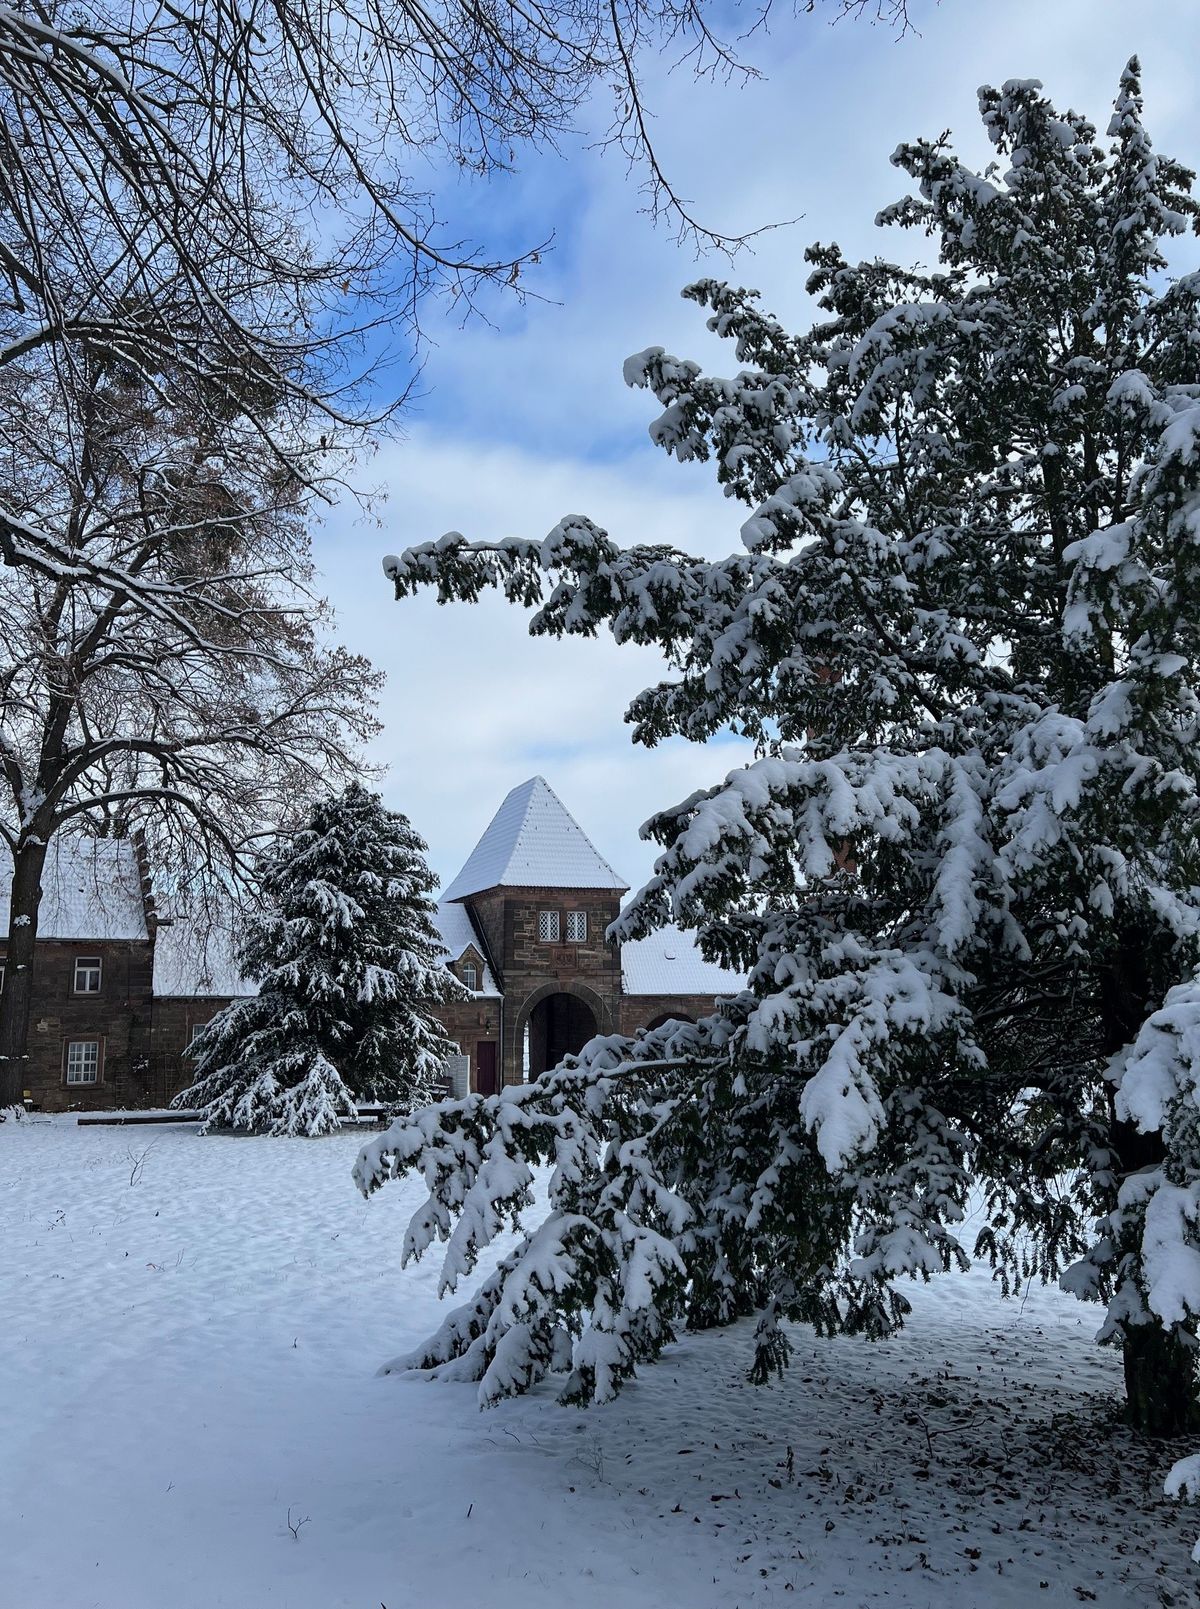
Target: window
x=548, y=927
x=471, y=975
x=195, y=1029
x=576, y=927
x=83, y=1061
x=87, y=974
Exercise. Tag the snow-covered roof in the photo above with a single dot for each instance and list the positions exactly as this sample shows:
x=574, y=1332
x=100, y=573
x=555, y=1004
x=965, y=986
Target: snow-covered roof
x=669, y=962
x=458, y=936
x=192, y=963
x=91, y=889
x=534, y=842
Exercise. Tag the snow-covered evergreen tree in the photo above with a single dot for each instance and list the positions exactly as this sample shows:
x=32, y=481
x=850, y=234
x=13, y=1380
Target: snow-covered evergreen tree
x=963, y=874
x=349, y=966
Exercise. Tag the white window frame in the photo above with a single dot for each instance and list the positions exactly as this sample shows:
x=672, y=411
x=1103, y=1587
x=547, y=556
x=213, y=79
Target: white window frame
x=88, y=967
x=549, y=927
x=577, y=927
x=74, y=1076
x=471, y=976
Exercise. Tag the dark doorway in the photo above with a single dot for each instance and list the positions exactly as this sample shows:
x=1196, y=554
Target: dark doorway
x=558, y=1026
x=485, y=1067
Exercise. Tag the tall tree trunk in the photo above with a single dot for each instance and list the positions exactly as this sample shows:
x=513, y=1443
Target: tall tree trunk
x=1162, y=1387
x=16, y=999
x=1160, y=1382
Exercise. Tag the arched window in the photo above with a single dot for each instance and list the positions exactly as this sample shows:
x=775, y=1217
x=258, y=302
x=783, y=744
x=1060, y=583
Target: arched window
x=471, y=975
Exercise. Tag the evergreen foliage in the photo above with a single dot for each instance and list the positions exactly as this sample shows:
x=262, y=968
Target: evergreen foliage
x=349, y=965
x=962, y=874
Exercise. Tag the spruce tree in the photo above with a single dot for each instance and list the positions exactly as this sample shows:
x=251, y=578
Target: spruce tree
x=963, y=873
x=349, y=967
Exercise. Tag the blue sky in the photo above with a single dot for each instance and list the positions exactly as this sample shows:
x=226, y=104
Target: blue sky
x=523, y=416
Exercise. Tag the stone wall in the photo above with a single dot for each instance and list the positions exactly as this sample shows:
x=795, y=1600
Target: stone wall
x=118, y=1016
x=532, y=968
x=175, y=1020
x=471, y=1023
x=640, y=1010
x=143, y=1061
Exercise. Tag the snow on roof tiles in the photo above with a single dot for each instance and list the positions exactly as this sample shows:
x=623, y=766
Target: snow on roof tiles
x=191, y=964
x=669, y=962
x=458, y=935
x=91, y=889
x=533, y=842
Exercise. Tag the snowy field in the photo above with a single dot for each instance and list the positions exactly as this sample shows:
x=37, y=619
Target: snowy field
x=189, y=1339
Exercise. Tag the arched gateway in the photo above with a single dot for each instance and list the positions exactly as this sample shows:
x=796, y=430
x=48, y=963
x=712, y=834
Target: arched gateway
x=559, y=1025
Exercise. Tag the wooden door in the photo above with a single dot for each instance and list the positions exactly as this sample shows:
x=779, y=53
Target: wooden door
x=485, y=1067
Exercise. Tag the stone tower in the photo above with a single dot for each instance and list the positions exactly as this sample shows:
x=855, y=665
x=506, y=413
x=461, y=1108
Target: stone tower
x=540, y=896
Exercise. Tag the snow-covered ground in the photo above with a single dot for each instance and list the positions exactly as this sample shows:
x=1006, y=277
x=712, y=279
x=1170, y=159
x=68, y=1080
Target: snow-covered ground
x=189, y=1333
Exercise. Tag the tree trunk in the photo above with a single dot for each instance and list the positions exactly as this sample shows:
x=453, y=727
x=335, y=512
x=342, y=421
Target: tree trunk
x=16, y=998
x=1160, y=1382
x=1162, y=1388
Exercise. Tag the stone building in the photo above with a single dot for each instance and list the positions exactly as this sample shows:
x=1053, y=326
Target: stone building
x=524, y=926
x=120, y=990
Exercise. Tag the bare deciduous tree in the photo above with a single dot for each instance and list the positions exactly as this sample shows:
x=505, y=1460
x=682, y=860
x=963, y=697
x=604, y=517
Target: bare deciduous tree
x=198, y=700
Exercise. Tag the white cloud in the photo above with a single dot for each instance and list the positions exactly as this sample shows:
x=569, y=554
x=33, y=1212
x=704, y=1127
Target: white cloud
x=473, y=704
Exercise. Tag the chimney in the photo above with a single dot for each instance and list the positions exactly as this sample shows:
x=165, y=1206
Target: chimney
x=138, y=839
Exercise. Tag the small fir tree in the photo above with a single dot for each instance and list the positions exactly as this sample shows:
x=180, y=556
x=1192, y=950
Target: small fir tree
x=963, y=875
x=349, y=966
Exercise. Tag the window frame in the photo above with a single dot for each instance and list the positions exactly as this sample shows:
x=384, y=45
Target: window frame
x=471, y=976
x=580, y=920
x=83, y=1083
x=92, y=964
x=549, y=926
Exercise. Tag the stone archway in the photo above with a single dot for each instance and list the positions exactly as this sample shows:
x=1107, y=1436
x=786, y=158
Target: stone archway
x=556, y=1020
x=665, y=1017
x=558, y=1026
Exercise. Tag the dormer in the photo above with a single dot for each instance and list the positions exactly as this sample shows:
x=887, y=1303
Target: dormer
x=470, y=969
x=464, y=953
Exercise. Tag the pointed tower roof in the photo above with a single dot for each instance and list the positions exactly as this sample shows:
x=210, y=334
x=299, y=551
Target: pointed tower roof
x=534, y=842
